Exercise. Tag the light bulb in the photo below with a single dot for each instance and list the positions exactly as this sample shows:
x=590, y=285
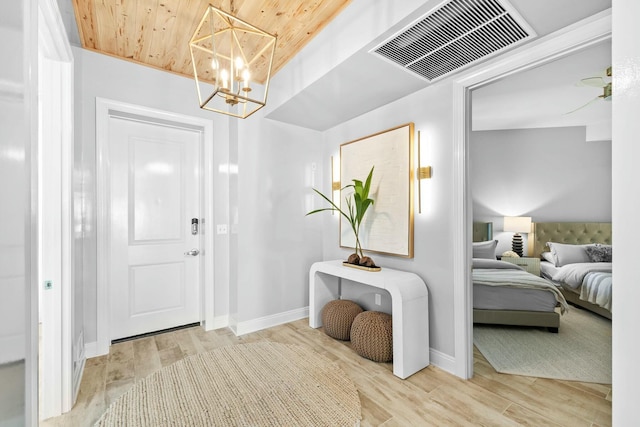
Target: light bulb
x=246, y=76
x=214, y=64
x=239, y=63
x=224, y=75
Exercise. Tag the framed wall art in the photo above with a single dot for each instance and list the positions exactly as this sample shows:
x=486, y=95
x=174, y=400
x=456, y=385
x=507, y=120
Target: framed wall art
x=387, y=227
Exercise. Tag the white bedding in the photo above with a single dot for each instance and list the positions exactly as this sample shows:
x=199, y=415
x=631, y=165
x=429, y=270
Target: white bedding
x=574, y=274
x=513, y=288
x=547, y=269
x=505, y=298
x=517, y=279
x=596, y=289
x=590, y=280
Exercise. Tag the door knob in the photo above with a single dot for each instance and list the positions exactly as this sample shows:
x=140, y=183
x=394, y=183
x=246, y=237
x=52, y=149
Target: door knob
x=192, y=252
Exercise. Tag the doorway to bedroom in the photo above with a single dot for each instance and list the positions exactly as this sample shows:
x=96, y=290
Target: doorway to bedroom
x=540, y=147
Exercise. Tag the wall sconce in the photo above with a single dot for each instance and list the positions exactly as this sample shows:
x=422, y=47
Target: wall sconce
x=335, y=183
x=424, y=172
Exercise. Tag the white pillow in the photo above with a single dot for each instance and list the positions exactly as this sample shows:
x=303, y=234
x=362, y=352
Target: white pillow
x=485, y=250
x=548, y=256
x=568, y=254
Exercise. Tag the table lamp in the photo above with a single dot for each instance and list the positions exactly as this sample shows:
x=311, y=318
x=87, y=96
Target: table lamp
x=517, y=225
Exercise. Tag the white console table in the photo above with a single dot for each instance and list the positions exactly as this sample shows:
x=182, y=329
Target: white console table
x=409, y=305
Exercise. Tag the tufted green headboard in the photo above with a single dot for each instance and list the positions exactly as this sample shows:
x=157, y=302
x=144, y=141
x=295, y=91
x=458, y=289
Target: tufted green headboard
x=482, y=231
x=576, y=233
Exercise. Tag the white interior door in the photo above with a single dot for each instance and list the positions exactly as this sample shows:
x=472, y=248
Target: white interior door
x=154, y=274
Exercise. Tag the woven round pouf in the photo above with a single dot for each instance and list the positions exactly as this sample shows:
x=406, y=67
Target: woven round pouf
x=337, y=317
x=372, y=336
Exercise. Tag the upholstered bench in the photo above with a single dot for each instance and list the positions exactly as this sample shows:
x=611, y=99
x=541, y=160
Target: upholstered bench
x=337, y=317
x=372, y=336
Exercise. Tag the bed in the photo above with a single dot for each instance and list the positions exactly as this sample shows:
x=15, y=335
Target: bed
x=569, y=262
x=505, y=294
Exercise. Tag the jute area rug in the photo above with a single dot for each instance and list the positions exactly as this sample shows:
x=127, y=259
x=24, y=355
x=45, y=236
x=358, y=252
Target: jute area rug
x=580, y=351
x=256, y=384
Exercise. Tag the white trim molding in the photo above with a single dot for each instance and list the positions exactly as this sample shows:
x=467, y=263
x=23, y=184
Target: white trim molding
x=58, y=380
x=443, y=361
x=219, y=322
x=91, y=350
x=583, y=34
x=106, y=109
x=254, y=325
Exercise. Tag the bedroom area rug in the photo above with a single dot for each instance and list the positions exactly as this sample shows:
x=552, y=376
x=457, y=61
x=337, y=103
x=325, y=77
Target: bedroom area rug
x=256, y=384
x=580, y=351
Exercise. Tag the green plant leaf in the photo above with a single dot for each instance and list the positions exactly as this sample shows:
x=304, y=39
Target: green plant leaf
x=333, y=208
x=321, y=210
x=357, y=204
x=367, y=185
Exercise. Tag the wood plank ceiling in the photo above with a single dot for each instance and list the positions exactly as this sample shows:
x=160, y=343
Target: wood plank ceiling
x=156, y=33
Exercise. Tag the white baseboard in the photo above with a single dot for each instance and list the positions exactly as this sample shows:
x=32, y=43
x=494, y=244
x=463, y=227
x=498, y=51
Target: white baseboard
x=12, y=348
x=79, y=359
x=261, y=323
x=442, y=361
x=91, y=350
x=77, y=379
x=218, y=322
x=233, y=324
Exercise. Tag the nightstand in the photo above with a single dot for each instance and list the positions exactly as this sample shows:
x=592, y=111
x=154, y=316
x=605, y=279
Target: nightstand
x=531, y=265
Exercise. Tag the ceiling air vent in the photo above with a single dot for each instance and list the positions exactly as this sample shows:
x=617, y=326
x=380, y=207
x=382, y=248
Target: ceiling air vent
x=455, y=35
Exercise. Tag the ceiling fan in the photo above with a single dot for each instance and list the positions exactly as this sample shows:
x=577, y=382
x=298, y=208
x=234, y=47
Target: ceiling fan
x=602, y=81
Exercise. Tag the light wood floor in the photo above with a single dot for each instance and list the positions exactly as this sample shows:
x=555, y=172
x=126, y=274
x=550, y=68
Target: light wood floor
x=431, y=397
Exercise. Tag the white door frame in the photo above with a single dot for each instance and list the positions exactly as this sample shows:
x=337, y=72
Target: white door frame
x=575, y=37
x=57, y=376
x=106, y=109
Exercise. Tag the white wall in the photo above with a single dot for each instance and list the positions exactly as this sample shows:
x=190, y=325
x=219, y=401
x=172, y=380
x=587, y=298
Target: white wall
x=13, y=183
x=431, y=111
x=18, y=245
x=549, y=174
x=626, y=203
x=261, y=177
x=278, y=166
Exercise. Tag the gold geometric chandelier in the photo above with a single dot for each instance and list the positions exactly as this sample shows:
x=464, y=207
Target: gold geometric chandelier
x=232, y=62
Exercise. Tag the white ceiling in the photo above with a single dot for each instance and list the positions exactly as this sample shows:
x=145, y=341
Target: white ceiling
x=364, y=82
x=547, y=96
